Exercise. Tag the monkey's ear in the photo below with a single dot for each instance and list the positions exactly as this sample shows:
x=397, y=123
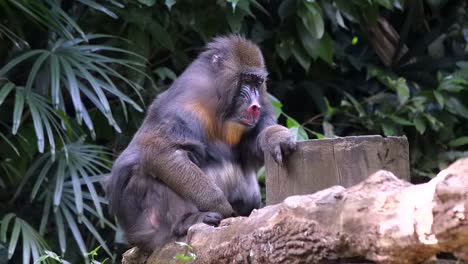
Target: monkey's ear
x=216, y=59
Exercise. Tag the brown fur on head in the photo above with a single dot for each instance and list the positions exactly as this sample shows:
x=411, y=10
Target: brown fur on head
x=238, y=53
x=226, y=58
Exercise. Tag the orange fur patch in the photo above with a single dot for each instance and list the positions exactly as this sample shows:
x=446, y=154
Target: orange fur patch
x=228, y=132
x=231, y=132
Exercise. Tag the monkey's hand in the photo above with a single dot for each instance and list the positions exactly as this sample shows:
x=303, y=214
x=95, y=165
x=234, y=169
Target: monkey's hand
x=278, y=141
x=217, y=203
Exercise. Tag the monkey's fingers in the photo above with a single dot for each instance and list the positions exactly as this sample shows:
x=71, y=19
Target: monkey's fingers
x=287, y=147
x=212, y=218
x=222, y=206
x=277, y=155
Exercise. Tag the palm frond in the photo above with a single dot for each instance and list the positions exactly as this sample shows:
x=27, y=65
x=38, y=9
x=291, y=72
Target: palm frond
x=66, y=185
x=49, y=15
x=99, y=7
x=84, y=71
x=9, y=34
x=33, y=245
x=44, y=117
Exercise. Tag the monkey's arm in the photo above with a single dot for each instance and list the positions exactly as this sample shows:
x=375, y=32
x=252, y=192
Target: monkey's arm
x=170, y=163
x=278, y=141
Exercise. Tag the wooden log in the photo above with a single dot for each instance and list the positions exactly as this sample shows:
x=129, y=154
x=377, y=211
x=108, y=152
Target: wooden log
x=321, y=163
x=383, y=219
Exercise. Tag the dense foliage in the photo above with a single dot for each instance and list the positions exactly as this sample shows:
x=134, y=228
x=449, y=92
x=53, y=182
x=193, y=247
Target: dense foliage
x=75, y=77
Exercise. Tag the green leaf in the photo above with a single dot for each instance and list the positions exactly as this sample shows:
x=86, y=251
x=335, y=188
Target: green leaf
x=388, y=129
x=4, y=226
x=400, y=120
x=26, y=238
x=235, y=20
x=99, y=7
x=61, y=231
x=41, y=258
x=420, y=124
x=53, y=255
x=291, y=122
x=322, y=48
x=97, y=236
x=18, y=109
x=148, y=2
x=94, y=251
x=386, y=3
x=286, y=8
x=45, y=214
x=40, y=178
x=64, y=17
x=183, y=244
x=5, y=90
x=55, y=80
x=318, y=135
x=17, y=60
x=233, y=3
x=356, y=105
x=19, y=42
x=296, y=129
x=38, y=128
x=72, y=85
x=325, y=49
x=75, y=231
x=35, y=68
x=9, y=143
x=435, y=124
x=339, y=19
x=453, y=84
x=164, y=72
x=93, y=192
x=310, y=14
x=258, y=6
x=455, y=106
x=440, y=98
x=283, y=49
x=160, y=35
x=399, y=4
x=59, y=179
x=14, y=237
x=76, y=190
x=462, y=64
x=169, y=3
x=276, y=105
x=458, y=142
x=401, y=88
x=328, y=129
x=244, y=5
x=301, y=57
x=31, y=170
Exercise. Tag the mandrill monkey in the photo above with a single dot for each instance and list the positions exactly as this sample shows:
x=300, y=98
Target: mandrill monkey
x=195, y=157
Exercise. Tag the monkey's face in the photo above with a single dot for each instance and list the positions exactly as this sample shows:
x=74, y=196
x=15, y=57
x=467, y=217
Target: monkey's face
x=247, y=107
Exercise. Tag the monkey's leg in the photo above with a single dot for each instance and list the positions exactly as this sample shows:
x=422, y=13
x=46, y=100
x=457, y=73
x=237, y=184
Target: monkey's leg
x=176, y=170
x=155, y=214
x=209, y=218
x=145, y=235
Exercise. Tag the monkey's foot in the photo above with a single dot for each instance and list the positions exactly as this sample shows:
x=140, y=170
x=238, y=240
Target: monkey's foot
x=209, y=218
x=212, y=218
